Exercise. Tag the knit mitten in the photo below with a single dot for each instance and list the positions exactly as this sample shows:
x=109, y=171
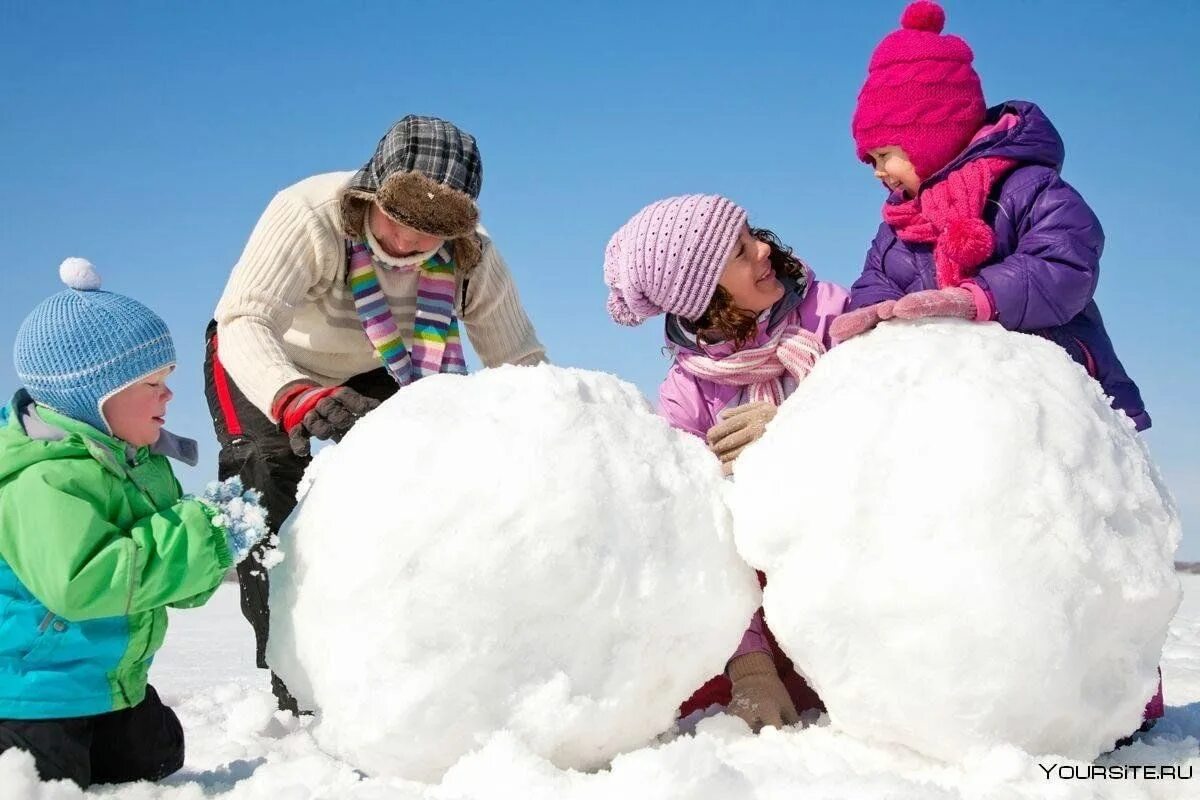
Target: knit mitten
x=858, y=322
x=759, y=696
x=952, y=302
x=240, y=513
x=740, y=427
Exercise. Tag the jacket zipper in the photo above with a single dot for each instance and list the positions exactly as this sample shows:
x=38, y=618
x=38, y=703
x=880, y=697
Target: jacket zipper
x=46, y=620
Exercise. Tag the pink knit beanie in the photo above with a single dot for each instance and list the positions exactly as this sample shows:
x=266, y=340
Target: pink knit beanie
x=669, y=257
x=921, y=93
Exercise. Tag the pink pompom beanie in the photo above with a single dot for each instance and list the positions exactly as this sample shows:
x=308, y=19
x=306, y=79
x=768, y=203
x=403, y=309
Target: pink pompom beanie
x=921, y=93
x=669, y=257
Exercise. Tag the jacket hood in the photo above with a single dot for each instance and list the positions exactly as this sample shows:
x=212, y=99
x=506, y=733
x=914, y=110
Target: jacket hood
x=30, y=434
x=23, y=444
x=1032, y=140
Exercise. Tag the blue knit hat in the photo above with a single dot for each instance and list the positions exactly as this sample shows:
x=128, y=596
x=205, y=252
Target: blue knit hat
x=80, y=346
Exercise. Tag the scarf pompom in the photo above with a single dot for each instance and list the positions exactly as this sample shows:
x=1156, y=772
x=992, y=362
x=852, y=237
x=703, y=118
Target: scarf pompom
x=949, y=214
x=961, y=248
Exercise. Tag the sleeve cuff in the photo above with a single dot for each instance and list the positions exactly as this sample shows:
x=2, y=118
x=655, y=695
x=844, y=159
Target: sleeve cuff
x=985, y=309
x=286, y=397
x=217, y=535
x=864, y=298
x=753, y=640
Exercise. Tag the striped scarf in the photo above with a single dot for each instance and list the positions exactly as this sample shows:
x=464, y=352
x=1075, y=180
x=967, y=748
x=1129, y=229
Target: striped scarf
x=791, y=351
x=436, y=345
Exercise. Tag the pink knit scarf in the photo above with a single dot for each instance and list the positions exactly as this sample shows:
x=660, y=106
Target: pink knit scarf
x=791, y=350
x=950, y=214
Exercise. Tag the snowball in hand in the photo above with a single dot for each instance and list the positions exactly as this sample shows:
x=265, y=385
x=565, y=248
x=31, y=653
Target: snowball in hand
x=980, y=553
x=528, y=549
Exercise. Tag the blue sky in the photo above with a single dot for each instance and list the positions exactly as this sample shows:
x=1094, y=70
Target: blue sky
x=148, y=137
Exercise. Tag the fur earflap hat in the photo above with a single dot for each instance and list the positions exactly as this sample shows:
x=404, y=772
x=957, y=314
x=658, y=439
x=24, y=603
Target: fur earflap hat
x=426, y=173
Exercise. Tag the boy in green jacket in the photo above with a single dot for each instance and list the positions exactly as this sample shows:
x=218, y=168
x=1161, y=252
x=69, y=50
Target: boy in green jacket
x=96, y=539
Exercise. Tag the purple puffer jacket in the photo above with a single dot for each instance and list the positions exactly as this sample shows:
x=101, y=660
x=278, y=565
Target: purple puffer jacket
x=1043, y=273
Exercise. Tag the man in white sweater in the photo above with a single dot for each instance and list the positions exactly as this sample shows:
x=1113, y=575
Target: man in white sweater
x=351, y=286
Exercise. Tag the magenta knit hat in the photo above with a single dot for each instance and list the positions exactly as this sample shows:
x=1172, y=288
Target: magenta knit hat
x=669, y=257
x=921, y=93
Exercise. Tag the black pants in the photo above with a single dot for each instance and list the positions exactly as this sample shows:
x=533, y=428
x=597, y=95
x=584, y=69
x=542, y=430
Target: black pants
x=257, y=449
x=135, y=744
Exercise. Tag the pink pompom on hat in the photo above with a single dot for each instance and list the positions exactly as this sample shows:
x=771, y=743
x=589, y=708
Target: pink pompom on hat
x=669, y=256
x=921, y=93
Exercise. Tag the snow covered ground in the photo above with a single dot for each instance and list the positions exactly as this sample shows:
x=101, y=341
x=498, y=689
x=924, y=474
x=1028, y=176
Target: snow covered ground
x=238, y=747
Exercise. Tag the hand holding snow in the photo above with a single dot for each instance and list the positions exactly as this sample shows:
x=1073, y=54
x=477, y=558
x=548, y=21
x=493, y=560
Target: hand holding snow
x=240, y=512
x=980, y=553
x=528, y=550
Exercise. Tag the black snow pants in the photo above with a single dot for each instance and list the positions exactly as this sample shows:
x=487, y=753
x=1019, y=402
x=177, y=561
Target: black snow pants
x=257, y=449
x=143, y=743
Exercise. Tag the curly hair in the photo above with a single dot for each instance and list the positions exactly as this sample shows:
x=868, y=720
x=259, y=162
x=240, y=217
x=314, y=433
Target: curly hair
x=722, y=321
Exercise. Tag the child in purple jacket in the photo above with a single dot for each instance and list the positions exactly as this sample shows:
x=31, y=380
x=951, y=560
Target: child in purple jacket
x=978, y=224
x=746, y=320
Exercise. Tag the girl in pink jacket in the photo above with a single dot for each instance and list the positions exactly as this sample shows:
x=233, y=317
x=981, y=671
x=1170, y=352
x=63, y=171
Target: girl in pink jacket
x=745, y=322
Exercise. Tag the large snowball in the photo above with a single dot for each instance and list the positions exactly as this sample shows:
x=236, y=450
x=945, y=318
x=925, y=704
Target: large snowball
x=964, y=544
x=526, y=549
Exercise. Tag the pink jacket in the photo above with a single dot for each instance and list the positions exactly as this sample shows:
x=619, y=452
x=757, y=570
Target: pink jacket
x=691, y=404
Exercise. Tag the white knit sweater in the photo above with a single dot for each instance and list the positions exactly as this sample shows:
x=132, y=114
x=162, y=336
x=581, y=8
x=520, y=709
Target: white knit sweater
x=287, y=313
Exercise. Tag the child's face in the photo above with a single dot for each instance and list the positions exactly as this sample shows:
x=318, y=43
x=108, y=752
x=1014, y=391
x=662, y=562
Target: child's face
x=400, y=241
x=895, y=170
x=136, y=413
x=749, y=277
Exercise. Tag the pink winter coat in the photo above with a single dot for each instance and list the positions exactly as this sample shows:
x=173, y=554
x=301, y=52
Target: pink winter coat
x=692, y=404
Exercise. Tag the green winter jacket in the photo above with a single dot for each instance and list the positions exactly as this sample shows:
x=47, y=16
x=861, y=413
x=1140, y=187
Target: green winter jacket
x=95, y=542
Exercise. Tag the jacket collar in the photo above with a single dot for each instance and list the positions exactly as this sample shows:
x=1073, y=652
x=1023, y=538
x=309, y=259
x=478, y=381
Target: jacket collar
x=1032, y=140
x=47, y=425
x=793, y=295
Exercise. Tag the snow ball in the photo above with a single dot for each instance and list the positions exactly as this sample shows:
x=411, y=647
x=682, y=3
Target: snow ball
x=965, y=545
x=528, y=551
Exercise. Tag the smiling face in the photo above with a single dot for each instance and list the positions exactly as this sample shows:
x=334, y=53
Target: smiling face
x=398, y=240
x=895, y=170
x=136, y=413
x=748, y=276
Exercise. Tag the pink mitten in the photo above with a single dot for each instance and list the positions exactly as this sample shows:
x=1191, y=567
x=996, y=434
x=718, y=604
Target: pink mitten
x=952, y=302
x=855, y=323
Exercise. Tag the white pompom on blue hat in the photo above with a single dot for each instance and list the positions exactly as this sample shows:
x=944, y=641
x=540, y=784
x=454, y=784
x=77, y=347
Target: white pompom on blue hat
x=78, y=273
x=78, y=347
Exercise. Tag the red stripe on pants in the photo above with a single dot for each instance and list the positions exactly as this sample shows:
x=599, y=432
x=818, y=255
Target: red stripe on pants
x=221, y=383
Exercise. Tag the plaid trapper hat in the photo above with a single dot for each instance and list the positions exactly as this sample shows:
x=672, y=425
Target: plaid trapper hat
x=426, y=173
